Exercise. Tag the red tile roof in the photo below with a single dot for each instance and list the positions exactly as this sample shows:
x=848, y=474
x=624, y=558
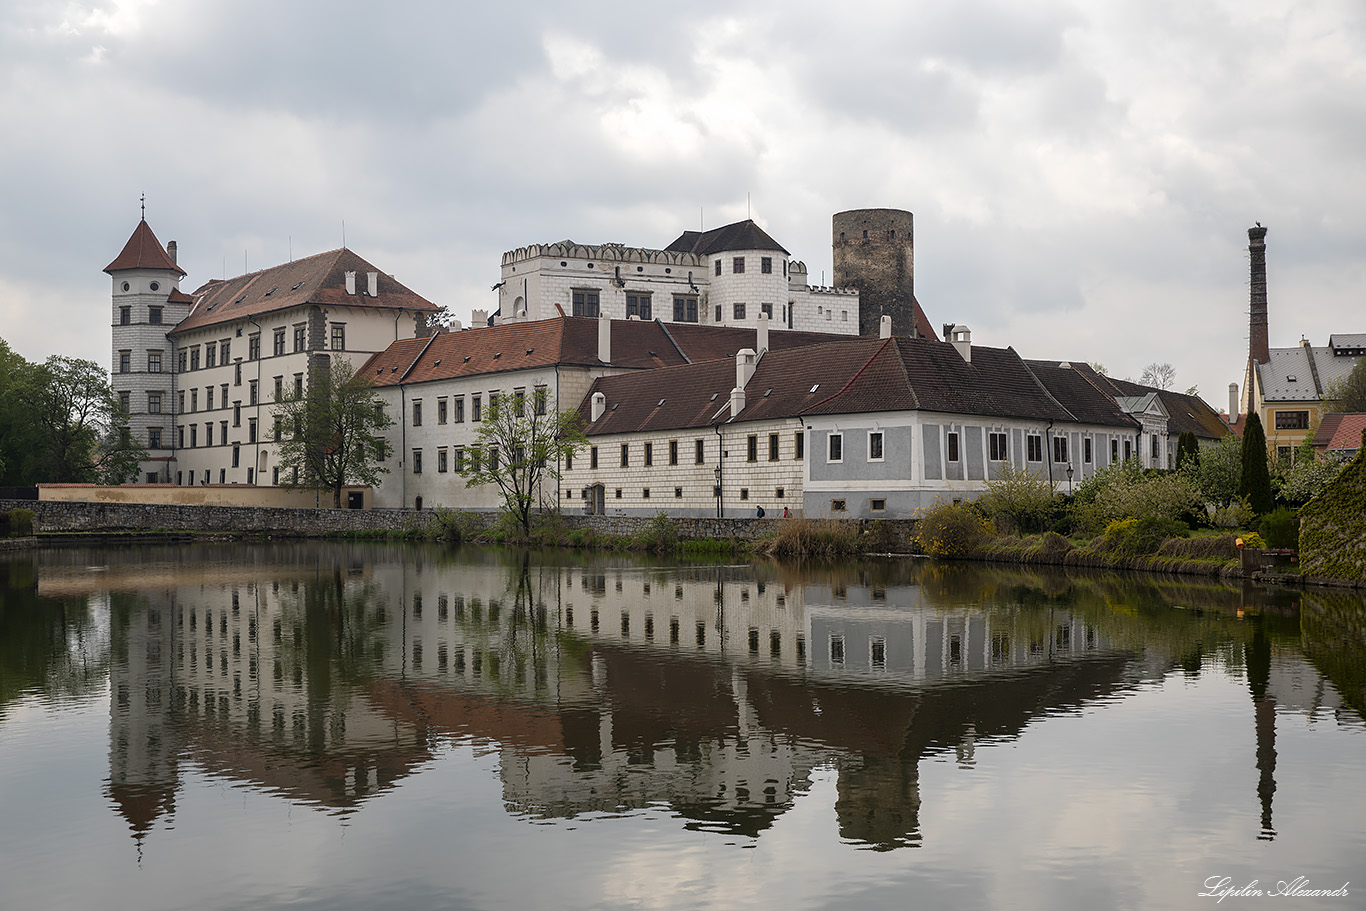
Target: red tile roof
x=1340, y=432
x=143, y=251
x=318, y=279
x=567, y=341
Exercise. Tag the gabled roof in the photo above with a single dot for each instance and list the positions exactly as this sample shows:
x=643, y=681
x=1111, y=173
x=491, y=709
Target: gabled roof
x=318, y=279
x=1303, y=373
x=143, y=251
x=743, y=235
x=932, y=374
x=1184, y=412
x=567, y=341
x=846, y=376
x=1073, y=386
x=1340, y=432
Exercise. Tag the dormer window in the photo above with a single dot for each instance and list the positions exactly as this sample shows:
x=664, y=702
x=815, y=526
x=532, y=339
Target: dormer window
x=1291, y=378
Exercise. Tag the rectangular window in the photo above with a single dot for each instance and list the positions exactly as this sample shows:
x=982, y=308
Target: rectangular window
x=194, y=400
x=154, y=315
x=251, y=430
x=585, y=303
x=593, y=457
x=773, y=447
x=459, y=459
x=519, y=402
x=1292, y=420
x=625, y=455
x=441, y=460
x=300, y=337
x=568, y=465
x=999, y=447
x=493, y=406
x=766, y=265
x=718, y=313
x=237, y=374
x=953, y=445
x=476, y=409
x=279, y=388
x=154, y=438
x=459, y=409
x=718, y=267
x=836, y=449
x=649, y=454
x=125, y=316
x=766, y=310
x=441, y=410
x=154, y=403
x=541, y=397
x=699, y=456
x=1060, y=449
x=125, y=362
x=194, y=358
x=673, y=452
x=417, y=413
x=298, y=384
x=153, y=361
x=236, y=456
x=237, y=414
x=678, y=493
x=1155, y=450
x=279, y=348
x=752, y=448
x=799, y=445
x=254, y=347
x=877, y=505
x=638, y=305
x=208, y=398
x=1086, y=450
x=417, y=461
x=181, y=396
x=125, y=401
x=208, y=433
x=182, y=356
x=1035, y=447
x=1114, y=450
x=210, y=355
x=493, y=458
x=194, y=435
x=1128, y=450
x=224, y=350
x=685, y=309
x=738, y=265
x=739, y=311
x=338, y=336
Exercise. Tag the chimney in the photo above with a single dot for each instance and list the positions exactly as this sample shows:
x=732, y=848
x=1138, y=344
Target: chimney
x=737, y=402
x=350, y=283
x=479, y=319
x=374, y=283
x=884, y=327
x=171, y=251
x=761, y=333
x=961, y=337
x=744, y=367
x=598, y=407
x=1258, y=345
x=605, y=339
x=1232, y=402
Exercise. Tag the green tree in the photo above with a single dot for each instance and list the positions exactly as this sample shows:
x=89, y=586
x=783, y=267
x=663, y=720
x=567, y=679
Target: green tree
x=1348, y=395
x=519, y=447
x=80, y=429
x=1300, y=479
x=17, y=426
x=1220, y=471
x=1187, y=449
x=333, y=432
x=1020, y=498
x=1255, y=479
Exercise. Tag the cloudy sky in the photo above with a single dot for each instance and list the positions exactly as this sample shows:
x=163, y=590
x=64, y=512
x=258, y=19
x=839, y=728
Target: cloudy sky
x=1082, y=174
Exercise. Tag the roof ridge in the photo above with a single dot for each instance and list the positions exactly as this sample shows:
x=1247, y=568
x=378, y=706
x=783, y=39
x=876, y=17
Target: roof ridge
x=858, y=373
x=673, y=341
x=1033, y=376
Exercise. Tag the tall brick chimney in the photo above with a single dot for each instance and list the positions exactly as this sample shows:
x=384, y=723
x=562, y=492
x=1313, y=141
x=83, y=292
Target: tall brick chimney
x=1258, y=345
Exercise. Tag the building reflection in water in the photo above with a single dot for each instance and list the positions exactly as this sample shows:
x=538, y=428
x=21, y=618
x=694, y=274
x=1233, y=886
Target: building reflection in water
x=715, y=692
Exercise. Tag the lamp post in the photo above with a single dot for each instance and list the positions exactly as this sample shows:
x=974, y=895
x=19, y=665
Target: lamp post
x=717, y=472
x=1069, y=479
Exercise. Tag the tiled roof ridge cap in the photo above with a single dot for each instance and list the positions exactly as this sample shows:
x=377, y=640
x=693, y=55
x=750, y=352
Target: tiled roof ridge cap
x=859, y=372
x=1038, y=382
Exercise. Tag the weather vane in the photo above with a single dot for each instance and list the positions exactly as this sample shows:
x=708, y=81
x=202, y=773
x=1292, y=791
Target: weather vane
x=143, y=200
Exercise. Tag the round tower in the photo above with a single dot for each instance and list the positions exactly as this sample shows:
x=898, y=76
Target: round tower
x=874, y=252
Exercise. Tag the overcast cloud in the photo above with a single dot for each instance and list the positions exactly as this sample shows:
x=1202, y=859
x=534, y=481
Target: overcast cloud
x=1082, y=174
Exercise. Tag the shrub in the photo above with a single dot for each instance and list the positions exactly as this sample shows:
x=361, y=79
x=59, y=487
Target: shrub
x=1236, y=514
x=1220, y=470
x=660, y=536
x=1019, y=500
x=1252, y=539
x=802, y=537
x=1127, y=491
x=1133, y=537
x=952, y=530
x=21, y=522
x=1281, y=528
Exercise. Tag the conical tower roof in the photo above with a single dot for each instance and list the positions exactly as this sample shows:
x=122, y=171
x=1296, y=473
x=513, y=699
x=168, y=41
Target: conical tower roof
x=143, y=251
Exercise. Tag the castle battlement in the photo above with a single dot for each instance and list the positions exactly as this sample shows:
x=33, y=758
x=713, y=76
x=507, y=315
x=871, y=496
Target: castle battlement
x=610, y=252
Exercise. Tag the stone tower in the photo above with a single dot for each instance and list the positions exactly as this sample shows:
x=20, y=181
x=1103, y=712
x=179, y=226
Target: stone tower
x=147, y=302
x=874, y=252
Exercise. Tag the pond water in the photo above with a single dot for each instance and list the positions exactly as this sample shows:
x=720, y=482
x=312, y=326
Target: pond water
x=373, y=726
